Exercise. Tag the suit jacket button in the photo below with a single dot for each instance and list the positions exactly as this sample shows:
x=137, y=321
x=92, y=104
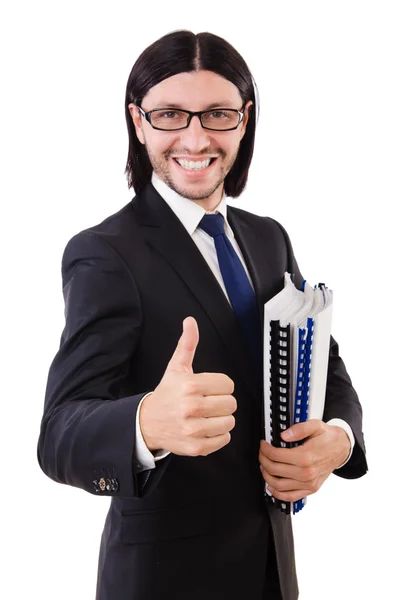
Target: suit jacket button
x=96, y=485
x=114, y=484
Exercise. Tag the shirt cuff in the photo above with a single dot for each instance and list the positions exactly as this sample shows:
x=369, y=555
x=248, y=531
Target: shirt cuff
x=145, y=459
x=343, y=425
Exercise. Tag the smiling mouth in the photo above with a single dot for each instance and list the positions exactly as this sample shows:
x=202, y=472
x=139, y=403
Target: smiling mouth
x=195, y=166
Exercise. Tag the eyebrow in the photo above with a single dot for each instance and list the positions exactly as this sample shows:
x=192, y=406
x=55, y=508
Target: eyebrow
x=225, y=104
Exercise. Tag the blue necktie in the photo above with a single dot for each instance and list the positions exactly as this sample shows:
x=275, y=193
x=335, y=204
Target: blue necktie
x=238, y=287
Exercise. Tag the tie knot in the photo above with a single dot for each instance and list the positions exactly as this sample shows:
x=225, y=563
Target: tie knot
x=213, y=224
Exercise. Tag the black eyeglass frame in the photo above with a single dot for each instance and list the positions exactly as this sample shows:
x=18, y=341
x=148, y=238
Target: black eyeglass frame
x=147, y=116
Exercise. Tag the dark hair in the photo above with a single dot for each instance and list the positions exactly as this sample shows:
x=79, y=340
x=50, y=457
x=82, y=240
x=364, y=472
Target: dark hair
x=184, y=51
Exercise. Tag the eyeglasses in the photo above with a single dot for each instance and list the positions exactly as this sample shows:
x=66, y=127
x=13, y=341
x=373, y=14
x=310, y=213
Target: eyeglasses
x=166, y=119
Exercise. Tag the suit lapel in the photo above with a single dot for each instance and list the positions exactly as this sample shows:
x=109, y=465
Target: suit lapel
x=168, y=236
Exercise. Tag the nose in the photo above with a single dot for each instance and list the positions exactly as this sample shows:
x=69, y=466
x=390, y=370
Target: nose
x=194, y=137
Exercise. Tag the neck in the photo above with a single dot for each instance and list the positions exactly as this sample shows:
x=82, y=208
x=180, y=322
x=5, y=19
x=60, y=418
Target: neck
x=209, y=204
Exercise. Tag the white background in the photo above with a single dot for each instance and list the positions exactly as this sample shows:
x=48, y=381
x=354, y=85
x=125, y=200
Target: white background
x=324, y=166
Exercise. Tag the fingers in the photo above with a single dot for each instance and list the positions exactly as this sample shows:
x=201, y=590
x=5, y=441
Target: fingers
x=276, y=469
x=213, y=384
x=215, y=443
x=301, y=456
x=300, y=431
x=288, y=490
x=285, y=484
x=218, y=406
x=210, y=427
x=290, y=482
x=291, y=496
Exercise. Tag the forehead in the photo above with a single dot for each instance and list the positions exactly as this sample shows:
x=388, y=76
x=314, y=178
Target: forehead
x=196, y=90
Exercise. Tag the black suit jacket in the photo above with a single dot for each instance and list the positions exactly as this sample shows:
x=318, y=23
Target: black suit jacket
x=193, y=527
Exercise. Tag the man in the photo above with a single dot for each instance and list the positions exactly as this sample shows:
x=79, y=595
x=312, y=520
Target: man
x=169, y=423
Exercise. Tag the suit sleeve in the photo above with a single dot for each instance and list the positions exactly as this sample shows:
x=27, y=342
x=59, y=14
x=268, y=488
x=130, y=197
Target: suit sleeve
x=87, y=435
x=341, y=400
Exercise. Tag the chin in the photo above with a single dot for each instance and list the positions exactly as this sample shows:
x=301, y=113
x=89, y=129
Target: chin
x=196, y=192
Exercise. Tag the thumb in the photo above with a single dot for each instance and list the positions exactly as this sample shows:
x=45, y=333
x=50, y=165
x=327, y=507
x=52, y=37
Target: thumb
x=303, y=430
x=182, y=359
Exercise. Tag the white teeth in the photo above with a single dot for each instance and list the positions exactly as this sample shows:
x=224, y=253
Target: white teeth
x=193, y=165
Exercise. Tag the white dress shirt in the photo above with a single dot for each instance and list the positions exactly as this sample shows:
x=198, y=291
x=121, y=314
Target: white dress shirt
x=190, y=215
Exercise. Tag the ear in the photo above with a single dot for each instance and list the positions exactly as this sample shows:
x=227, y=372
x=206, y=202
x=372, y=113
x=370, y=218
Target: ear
x=137, y=120
x=245, y=118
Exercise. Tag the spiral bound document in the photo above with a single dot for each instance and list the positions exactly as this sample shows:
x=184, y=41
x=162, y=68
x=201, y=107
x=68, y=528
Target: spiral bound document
x=279, y=401
x=297, y=330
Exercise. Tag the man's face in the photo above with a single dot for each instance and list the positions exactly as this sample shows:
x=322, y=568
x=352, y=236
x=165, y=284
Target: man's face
x=193, y=91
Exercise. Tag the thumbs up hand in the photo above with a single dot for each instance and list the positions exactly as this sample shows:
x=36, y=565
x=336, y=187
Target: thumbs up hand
x=188, y=414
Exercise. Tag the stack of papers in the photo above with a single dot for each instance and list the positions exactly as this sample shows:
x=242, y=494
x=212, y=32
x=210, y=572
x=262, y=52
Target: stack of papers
x=297, y=330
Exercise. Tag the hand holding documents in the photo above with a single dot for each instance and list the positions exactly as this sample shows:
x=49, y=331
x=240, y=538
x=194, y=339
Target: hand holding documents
x=297, y=329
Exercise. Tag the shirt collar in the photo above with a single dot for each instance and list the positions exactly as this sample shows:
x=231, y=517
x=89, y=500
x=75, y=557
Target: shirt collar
x=188, y=212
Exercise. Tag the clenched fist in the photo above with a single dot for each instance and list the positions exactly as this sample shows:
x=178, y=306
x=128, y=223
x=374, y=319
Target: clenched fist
x=188, y=413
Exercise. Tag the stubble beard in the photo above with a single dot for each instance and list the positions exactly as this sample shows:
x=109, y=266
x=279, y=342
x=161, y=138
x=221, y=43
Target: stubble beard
x=162, y=169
